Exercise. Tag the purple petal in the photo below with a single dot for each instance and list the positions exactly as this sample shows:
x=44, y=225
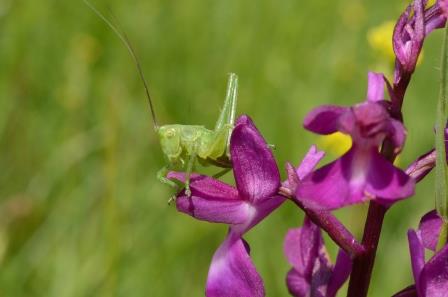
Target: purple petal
x=335, y=185
x=256, y=173
x=301, y=247
x=309, y=162
x=435, y=16
x=422, y=166
x=397, y=134
x=387, y=182
x=207, y=187
x=321, y=274
x=417, y=256
x=232, y=272
x=375, y=87
x=298, y=286
x=211, y=200
x=444, y=6
x=341, y=272
x=258, y=212
x=217, y=211
x=429, y=228
x=434, y=277
x=410, y=291
x=324, y=119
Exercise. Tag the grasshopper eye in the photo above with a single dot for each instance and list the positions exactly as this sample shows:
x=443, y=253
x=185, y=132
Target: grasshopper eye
x=170, y=133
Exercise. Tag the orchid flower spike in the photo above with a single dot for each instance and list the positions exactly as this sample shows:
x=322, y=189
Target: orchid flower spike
x=362, y=173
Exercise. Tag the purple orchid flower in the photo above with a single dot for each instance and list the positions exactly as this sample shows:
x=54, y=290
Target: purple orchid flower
x=412, y=27
x=431, y=278
x=257, y=178
x=362, y=173
x=312, y=274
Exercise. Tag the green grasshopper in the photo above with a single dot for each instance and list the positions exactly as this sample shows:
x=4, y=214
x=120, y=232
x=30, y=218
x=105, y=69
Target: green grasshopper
x=183, y=145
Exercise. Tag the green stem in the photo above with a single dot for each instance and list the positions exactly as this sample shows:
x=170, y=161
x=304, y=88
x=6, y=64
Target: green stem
x=441, y=117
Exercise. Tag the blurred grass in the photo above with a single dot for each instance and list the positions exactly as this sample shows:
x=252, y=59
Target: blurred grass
x=81, y=213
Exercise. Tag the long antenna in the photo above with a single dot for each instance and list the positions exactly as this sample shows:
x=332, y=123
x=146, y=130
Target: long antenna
x=124, y=38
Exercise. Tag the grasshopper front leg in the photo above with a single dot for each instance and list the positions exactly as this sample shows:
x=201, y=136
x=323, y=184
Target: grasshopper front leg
x=189, y=169
x=161, y=176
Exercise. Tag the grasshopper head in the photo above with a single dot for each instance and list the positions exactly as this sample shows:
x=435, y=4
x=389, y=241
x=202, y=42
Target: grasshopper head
x=170, y=141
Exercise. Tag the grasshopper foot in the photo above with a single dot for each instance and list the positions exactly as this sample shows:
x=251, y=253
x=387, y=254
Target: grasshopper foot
x=187, y=191
x=172, y=198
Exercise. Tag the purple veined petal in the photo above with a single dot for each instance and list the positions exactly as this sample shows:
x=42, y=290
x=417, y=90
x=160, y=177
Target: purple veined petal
x=429, y=228
x=410, y=291
x=254, y=167
x=232, y=272
x=417, y=252
x=434, y=276
x=309, y=162
x=301, y=247
x=341, y=272
x=386, y=182
x=375, y=87
x=297, y=285
x=337, y=184
x=207, y=187
x=324, y=119
x=258, y=212
x=217, y=211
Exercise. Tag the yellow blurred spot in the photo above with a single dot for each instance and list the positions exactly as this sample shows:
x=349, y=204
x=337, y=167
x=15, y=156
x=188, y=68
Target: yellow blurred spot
x=380, y=40
x=336, y=143
x=430, y=3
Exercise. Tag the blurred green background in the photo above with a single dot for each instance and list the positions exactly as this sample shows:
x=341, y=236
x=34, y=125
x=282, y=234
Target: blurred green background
x=81, y=212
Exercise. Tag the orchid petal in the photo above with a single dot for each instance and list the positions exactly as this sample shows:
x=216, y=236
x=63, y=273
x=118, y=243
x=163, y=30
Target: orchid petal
x=232, y=272
x=387, y=182
x=429, y=227
x=375, y=87
x=335, y=185
x=397, y=134
x=324, y=119
x=322, y=272
x=258, y=212
x=206, y=187
x=216, y=211
x=301, y=247
x=434, y=276
x=309, y=162
x=256, y=173
x=341, y=272
x=298, y=286
x=417, y=256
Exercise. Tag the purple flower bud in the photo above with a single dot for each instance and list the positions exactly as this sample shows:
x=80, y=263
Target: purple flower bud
x=412, y=27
